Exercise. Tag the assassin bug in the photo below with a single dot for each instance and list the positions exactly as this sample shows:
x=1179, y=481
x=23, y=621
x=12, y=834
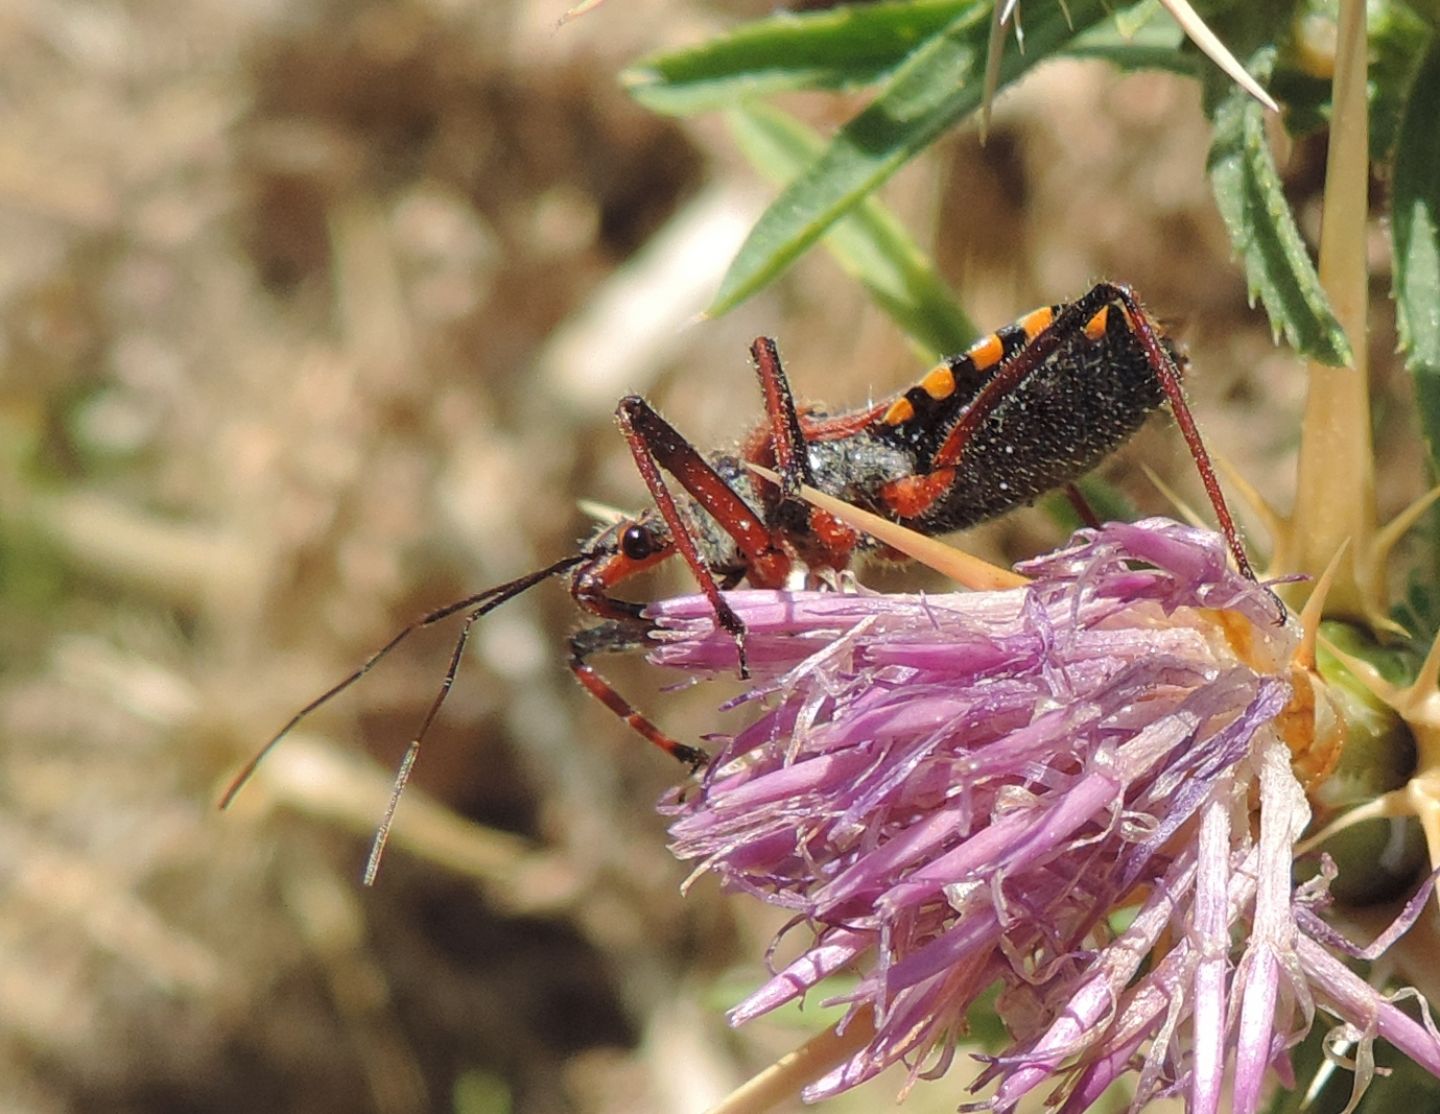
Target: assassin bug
x=1024, y=410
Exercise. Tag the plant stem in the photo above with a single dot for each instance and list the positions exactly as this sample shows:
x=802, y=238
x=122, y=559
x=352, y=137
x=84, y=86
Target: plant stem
x=783, y=1080
x=1336, y=488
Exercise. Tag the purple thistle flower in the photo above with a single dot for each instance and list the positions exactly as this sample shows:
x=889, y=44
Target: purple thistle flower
x=960, y=791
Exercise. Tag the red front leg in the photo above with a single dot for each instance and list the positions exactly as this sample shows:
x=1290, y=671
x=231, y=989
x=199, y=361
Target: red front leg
x=656, y=444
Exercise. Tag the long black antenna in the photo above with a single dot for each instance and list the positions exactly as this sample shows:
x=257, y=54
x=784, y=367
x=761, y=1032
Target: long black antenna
x=482, y=603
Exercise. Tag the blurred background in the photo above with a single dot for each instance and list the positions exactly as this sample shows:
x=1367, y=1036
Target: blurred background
x=313, y=317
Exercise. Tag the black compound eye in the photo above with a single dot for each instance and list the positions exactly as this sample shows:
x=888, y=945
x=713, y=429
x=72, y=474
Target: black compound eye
x=637, y=543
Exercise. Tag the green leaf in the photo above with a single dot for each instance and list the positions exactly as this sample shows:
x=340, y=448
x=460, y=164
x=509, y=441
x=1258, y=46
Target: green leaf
x=843, y=48
x=870, y=244
x=1415, y=228
x=937, y=86
x=1262, y=227
x=1398, y=38
x=1398, y=41
x=1149, y=40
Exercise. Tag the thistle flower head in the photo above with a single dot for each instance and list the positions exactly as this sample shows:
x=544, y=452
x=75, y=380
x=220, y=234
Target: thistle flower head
x=1080, y=791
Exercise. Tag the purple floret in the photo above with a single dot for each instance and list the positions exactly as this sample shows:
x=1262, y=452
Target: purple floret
x=961, y=791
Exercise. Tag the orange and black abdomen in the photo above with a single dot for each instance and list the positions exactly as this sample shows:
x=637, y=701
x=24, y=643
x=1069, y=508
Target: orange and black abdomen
x=1074, y=408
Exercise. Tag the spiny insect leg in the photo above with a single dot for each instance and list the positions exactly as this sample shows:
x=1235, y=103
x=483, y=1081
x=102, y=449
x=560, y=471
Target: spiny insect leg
x=617, y=637
x=791, y=459
x=656, y=444
x=1169, y=376
x=1082, y=506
